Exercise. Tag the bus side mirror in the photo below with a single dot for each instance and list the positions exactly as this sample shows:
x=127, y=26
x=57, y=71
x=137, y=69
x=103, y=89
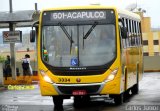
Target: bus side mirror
x=124, y=32
x=32, y=35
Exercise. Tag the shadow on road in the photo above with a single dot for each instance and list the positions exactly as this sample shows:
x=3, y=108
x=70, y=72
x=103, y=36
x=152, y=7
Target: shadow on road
x=96, y=104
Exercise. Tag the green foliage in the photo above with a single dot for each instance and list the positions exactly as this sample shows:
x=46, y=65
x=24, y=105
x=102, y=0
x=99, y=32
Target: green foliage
x=2, y=59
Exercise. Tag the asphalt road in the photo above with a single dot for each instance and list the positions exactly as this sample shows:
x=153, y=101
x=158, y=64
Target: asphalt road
x=148, y=99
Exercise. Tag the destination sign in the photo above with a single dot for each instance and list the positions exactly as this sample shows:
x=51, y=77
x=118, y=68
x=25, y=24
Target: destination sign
x=78, y=15
x=72, y=17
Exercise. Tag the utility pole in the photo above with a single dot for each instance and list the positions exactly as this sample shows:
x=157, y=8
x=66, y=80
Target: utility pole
x=36, y=7
x=12, y=45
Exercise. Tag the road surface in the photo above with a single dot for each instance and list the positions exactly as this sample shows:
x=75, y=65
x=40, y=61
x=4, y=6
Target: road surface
x=148, y=99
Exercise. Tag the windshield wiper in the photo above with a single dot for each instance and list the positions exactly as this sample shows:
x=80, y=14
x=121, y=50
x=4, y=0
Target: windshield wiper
x=71, y=43
x=90, y=30
x=67, y=34
x=65, y=31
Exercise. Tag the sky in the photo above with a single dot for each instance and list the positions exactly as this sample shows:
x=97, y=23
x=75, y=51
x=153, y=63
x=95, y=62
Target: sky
x=152, y=7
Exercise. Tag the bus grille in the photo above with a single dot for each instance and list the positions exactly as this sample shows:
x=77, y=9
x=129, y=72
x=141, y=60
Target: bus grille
x=78, y=73
x=89, y=89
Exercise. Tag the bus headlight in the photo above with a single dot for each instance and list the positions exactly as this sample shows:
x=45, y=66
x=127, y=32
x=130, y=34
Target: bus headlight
x=45, y=77
x=112, y=75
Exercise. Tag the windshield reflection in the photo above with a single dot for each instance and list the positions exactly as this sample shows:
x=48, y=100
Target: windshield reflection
x=98, y=48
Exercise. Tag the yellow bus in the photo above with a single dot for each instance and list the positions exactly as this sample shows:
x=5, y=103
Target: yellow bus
x=89, y=50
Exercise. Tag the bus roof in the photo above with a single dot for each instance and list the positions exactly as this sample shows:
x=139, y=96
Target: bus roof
x=128, y=14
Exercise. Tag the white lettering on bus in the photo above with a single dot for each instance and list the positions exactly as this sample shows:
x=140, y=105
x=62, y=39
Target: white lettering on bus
x=74, y=15
x=79, y=15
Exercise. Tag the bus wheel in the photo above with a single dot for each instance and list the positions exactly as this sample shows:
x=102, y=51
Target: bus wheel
x=81, y=100
x=126, y=95
x=58, y=101
x=135, y=89
x=118, y=98
x=77, y=101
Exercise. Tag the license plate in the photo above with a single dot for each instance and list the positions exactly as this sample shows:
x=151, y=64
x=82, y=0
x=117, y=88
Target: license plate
x=79, y=92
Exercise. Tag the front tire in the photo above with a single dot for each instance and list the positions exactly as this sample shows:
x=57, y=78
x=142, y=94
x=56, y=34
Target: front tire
x=81, y=100
x=126, y=95
x=58, y=101
x=118, y=98
x=135, y=89
x=77, y=101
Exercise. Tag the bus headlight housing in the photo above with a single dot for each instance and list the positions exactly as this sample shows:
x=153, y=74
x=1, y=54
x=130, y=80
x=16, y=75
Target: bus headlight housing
x=112, y=75
x=45, y=77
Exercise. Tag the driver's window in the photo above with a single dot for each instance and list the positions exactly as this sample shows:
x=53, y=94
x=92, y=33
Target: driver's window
x=121, y=25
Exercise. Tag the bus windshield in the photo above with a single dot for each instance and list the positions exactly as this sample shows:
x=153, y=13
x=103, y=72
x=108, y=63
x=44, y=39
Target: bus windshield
x=78, y=45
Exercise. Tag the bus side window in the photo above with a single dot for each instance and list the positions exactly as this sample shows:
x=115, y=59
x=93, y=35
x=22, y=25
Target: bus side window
x=135, y=34
x=126, y=31
x=140, y=32
x=121, y=30
x=137, y=37
x=129, y=31
x=132, y=34
x=127, y=40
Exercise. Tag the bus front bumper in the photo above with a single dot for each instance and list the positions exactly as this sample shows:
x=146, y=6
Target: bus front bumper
x=103, y=88
x=90, y=89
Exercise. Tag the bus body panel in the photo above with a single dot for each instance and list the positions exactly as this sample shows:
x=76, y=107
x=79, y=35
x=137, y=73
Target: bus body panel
x=132, y=66
x=111, y=87
x=47, y=89
x=132, y=57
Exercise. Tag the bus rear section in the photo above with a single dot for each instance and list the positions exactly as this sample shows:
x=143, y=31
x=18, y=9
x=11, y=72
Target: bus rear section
x=79, y=54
